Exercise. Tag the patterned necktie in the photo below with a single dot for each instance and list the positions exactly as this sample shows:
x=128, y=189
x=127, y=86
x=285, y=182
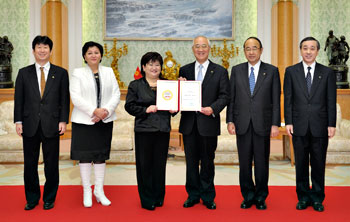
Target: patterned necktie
x=308, y=79
x=251, y=80
x=42, y=81
x=200, y=75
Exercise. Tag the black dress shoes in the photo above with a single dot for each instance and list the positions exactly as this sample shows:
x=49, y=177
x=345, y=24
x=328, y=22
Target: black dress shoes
x=210, y=205
x=148, y=207
x=30, y=206
x=190, y=203
x=158, y=203
x=246, y=204
x=260, y=204
x=318, y=206
x=48, y=205
x=302, y=205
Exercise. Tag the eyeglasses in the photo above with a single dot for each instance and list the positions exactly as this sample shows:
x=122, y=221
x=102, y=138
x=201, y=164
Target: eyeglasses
x=203, y=46
x=254, y=49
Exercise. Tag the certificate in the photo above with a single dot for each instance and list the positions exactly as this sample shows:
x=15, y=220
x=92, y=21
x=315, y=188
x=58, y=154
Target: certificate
x=179, y=95
x=167, y=95
x=190, y=96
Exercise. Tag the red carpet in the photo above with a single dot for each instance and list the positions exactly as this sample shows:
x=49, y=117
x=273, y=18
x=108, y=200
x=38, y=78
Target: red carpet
x=126, y=206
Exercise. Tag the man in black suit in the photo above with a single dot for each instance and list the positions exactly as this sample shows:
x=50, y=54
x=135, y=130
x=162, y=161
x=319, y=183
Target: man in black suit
x=41, y=113
x=200, y=129
x=254, y=116
x=310, y=114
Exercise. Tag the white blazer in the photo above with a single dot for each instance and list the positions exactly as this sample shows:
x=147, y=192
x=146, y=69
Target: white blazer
x=82, y=88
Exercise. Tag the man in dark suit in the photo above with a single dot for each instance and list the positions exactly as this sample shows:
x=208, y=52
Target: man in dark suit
x=41, y=113
x=310, y=114
x=200, y=129
x=254, y=116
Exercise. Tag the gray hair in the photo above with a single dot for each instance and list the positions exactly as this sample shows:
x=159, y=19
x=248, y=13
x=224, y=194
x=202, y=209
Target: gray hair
x=199, y=37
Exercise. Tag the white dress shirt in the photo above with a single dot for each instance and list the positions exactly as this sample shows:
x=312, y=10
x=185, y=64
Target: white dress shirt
x=204, y=69
x=38, y=73
x=312, y=70
x=256, y=69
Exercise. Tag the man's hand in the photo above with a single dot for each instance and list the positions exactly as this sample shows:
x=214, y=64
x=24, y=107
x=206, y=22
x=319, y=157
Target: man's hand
x=207, y=110
x=331, y=132
x=289, y=129
x=231, y=128
x=151, y=109
x=182, y=79
x=19, y=129
x=62, y=126
x=172, y=111
x=274, y=131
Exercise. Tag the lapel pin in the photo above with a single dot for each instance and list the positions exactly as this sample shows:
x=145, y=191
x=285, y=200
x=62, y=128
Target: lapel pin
x=320, y=77
x=264, y=73
x=212, y=71
x=53, y=77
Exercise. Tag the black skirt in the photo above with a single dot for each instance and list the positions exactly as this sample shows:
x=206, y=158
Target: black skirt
x=91, y=142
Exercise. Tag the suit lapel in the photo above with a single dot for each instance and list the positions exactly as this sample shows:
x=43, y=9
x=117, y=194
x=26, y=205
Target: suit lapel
x=209, y=74
x=316, y=80
x=261, y=78
x=245, y=78
x=191, y=75
x=300, y=76
x=33, y=79
x=50, y=80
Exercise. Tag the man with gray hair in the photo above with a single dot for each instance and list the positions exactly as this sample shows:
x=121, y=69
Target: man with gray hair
x=201, y=129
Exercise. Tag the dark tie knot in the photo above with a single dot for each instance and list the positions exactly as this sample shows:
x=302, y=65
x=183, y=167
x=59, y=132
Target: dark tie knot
x=308, y=68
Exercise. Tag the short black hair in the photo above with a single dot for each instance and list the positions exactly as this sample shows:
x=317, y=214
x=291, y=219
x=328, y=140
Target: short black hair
x=42, y=39
x=151, y=56
x=253, y=37
x=310, y=38
x=90, y=44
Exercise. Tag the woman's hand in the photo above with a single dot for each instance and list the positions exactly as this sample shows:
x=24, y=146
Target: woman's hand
x=151, y=109
x=101, y=113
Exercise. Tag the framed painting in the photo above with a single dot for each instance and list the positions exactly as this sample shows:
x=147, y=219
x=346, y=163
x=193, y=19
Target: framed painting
x=168, y=19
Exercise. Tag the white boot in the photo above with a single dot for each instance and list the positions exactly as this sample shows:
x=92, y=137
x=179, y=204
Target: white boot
x=85, y=174
x=99, y=181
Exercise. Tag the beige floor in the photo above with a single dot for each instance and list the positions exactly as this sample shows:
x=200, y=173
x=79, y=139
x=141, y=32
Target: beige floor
x=281, y=172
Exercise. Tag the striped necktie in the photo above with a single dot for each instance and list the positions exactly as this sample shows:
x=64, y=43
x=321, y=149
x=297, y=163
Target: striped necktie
x=308, y=79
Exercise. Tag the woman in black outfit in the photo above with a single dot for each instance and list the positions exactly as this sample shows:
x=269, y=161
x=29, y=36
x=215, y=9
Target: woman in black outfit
x=152, y=132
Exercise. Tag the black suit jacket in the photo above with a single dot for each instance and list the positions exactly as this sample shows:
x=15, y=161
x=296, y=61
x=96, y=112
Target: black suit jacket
x=139, y=97
x=31, y=109
x=263, y=107
x=317, y=110
x=215, y=93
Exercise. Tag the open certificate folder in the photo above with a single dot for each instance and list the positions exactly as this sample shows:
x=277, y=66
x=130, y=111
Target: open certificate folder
x=179, y=95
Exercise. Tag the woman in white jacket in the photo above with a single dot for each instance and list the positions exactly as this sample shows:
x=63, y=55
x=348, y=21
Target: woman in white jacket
x=95, y=95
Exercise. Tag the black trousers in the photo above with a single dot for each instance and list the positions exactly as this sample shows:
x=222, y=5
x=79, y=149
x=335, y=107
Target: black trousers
x=151, y=156
x=31, y=151
x=200, y=151
x=253, y=147
x=310, y=150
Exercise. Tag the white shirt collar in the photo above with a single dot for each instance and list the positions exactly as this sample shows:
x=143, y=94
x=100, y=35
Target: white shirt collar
x=312, y=71
x=46, y=66
x=256, y=69
x=204, y=64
